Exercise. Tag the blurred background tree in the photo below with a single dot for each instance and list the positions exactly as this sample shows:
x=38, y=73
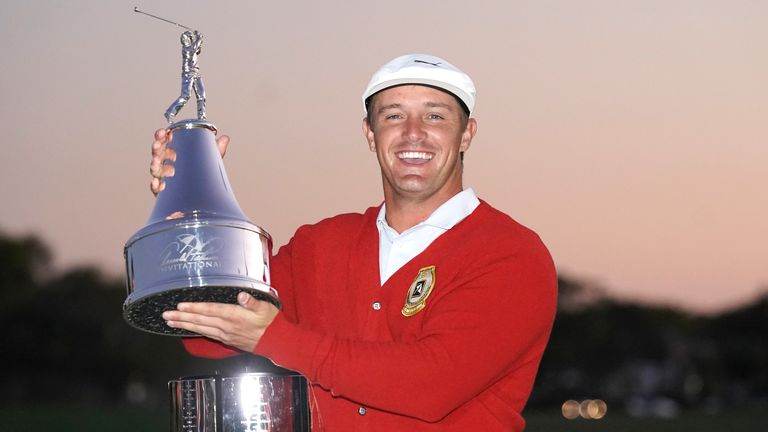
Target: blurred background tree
x=64, y=341
x=652, y=360
x=64, y=338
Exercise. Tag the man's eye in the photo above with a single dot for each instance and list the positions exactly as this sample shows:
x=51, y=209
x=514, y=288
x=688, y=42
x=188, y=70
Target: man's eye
x=435, y=117
x=392, y=116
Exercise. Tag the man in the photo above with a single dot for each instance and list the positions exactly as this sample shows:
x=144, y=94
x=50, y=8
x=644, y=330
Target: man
x=429, y=312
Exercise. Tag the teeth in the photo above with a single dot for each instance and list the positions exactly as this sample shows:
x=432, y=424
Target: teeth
x=414, y=155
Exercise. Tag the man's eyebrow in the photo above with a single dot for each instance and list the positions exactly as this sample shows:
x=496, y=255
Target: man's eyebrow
x=438, y=105
x=389, y=106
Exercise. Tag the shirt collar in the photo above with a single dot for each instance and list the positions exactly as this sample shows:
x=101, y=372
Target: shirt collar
x=446, y=216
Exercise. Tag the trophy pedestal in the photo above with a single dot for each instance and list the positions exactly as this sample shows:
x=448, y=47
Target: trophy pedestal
x=276, y=402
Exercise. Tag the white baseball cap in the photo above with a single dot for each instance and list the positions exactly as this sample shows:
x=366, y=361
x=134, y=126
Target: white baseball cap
x=423, y=69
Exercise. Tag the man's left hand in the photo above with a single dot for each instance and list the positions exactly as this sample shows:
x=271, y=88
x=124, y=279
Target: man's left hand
x=240, y=326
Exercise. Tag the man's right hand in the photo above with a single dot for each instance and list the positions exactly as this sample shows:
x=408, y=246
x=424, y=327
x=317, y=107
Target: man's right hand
x=163, y=157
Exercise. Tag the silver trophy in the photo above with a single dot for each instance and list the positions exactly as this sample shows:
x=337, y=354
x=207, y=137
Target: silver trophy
x=198, y=245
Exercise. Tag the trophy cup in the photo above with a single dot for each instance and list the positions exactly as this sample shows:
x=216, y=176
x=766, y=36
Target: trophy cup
x=198, y=245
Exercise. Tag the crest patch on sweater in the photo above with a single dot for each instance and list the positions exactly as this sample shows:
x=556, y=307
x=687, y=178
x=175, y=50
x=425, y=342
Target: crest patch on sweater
x=420, y=289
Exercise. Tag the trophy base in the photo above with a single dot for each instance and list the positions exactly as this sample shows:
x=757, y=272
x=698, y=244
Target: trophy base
x=146, y=313
x=276, y=402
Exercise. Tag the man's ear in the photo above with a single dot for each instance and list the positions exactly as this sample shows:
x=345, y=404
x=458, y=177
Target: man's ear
x=468, y=135
x=368, y=133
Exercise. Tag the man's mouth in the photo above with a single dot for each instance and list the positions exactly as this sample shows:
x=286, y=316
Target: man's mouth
x=414, y=156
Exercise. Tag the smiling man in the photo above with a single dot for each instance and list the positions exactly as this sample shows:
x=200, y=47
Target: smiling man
x=419, y=134
x=429, y=312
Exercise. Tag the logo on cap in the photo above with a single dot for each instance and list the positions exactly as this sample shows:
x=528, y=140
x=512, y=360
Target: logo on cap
x=426, y=62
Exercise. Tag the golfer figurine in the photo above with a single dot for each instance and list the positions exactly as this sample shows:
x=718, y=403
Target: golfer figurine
x=191, y=41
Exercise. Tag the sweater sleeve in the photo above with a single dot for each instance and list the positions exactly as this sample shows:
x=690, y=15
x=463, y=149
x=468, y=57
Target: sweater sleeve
x=493, y=323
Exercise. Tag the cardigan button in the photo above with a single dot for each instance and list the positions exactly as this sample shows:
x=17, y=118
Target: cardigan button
x=361, y=411
x=376, y=306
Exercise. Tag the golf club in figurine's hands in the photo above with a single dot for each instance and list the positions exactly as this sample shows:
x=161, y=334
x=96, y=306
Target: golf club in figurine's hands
x=198, y=245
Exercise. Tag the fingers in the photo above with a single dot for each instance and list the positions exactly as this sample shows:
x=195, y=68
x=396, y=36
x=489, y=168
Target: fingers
x=160, y=168
x=202, y=330
x=222, y=142
x=156, y=185
x=178, y=319
x=162, y=139
x=246, y=300
x=209, y=309
x=162, y=157
x=213, y=320
x=163, y=135
x=222, y=316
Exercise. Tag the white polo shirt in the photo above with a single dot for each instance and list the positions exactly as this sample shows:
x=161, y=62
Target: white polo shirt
x=397, y=249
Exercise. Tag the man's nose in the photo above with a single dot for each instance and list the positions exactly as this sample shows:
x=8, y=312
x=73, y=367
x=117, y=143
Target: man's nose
x=414, y=129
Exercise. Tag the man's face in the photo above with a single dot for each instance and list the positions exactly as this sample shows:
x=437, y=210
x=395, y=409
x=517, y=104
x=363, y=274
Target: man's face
x=418, y=133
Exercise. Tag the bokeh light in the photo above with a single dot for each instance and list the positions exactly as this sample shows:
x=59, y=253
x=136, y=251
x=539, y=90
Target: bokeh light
x=570, y=409
x=590, y=409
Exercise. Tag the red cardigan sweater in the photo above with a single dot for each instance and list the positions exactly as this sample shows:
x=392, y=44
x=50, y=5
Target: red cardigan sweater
x=466, y=361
